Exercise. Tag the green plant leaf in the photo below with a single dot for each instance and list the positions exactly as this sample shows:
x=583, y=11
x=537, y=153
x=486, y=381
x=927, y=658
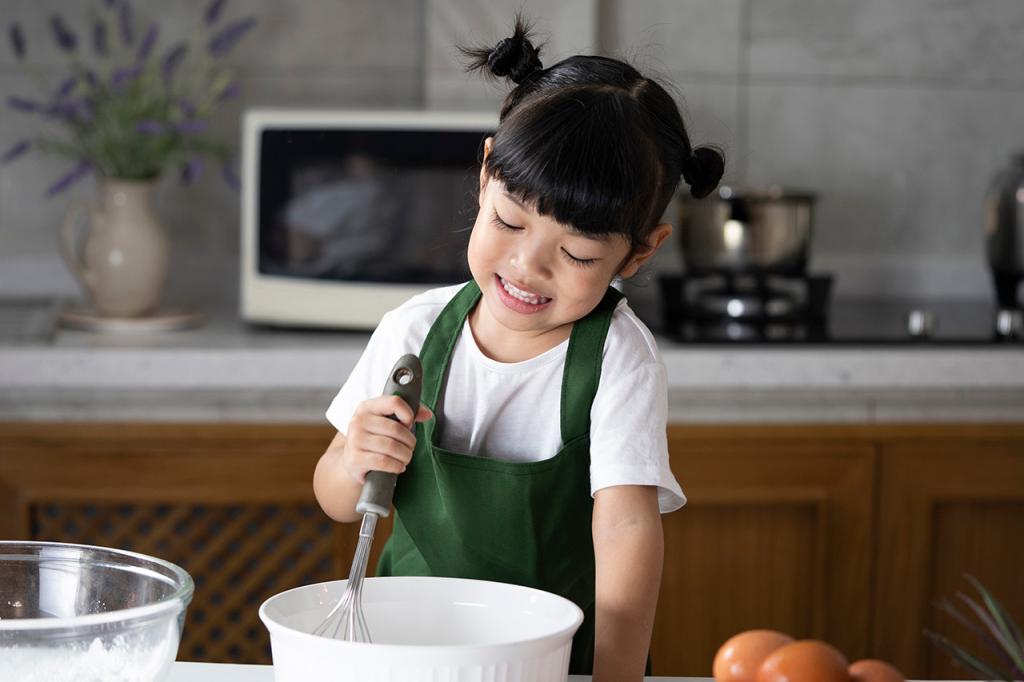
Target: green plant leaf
x=966, y=660
x=1009, y=629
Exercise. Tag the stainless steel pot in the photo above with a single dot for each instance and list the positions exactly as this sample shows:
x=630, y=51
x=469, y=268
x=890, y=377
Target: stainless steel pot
x=746, y=231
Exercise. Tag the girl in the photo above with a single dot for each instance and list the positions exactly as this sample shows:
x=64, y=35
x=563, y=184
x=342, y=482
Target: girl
x=539, y=455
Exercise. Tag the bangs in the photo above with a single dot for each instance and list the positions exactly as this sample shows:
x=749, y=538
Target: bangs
x=545, y=156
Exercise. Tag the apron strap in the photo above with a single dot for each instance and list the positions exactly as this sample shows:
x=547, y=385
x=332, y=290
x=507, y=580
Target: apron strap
x=441, y=339
x=582, y=371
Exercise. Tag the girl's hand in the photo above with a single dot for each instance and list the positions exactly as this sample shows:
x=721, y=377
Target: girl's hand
x=377, y=443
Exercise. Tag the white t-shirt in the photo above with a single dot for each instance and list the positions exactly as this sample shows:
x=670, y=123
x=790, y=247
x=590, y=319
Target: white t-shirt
x=510, y=410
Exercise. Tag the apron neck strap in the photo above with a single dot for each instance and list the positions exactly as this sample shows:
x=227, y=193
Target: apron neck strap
x=583, y=357
x=582, y=371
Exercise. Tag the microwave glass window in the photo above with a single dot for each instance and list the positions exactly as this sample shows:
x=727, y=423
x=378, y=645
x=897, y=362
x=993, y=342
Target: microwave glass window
x=393, y=206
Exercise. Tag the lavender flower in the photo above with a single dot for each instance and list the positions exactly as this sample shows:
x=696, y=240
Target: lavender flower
x=66, y=87
x=149, y=127
x=124, y=17
x=15, y=150
x=91, y=78
x=213, y=11
x=148, y=40
x=230, y=91
x=171, y=62
x=71, y=177
x=192, y=169
x=66, y=40
x=228, y=173
x=23, y=104
x=125, y=75
x=187, y=108
x=191, y=127
x=99, y=38
x=225, y=39
x=17, y=41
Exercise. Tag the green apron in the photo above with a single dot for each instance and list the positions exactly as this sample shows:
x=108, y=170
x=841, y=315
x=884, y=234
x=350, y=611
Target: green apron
x=527, y=523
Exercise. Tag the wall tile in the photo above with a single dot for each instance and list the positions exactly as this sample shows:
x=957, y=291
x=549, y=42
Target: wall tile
x=689, y=36
x=965, y=40
x=902, y=173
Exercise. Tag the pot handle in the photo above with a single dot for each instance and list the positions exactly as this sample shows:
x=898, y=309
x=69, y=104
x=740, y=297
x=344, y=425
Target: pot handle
x=69, y=247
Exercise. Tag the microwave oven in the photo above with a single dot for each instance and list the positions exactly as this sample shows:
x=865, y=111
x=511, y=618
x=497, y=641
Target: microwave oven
x=347, y=214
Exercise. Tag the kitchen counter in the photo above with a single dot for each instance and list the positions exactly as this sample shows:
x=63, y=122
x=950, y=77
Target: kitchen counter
x=229, y=371
x=221, y=672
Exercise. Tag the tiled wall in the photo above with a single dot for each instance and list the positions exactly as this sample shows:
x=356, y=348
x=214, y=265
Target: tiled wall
x=896, y=113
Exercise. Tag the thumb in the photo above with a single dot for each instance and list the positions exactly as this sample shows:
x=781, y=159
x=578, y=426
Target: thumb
x=424, y=413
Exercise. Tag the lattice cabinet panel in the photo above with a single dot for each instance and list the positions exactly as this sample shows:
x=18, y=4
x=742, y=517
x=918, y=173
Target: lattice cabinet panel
x=238, y=555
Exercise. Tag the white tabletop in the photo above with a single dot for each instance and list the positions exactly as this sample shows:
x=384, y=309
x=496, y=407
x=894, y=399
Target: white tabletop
x=224, y=672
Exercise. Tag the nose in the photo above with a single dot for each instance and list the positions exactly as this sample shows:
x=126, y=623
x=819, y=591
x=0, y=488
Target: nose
x=531, y=259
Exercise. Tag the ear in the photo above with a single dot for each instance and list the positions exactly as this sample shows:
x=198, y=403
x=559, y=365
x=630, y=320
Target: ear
x=658, y=235
x=488, y=146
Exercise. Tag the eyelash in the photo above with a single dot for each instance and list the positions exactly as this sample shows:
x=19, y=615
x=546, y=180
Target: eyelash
x=578, y=262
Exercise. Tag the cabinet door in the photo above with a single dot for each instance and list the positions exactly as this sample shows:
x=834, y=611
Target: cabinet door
x=232, y=504
x=776, y=534
x=951, y=505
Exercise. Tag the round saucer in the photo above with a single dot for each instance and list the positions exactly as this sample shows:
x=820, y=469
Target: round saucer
x=168, y=318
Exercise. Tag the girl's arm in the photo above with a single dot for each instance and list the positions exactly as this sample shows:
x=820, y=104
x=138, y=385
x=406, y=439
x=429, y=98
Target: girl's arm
x=628, y=551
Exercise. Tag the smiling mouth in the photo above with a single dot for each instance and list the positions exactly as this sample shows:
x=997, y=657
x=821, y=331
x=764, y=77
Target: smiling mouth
x=524, y=296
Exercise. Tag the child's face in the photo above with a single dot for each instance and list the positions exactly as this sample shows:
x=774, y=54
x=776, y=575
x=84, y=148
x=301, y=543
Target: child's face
x=538, y=275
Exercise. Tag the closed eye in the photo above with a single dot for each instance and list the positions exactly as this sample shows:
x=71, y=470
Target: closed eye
x=501, y=224
x=579, y=262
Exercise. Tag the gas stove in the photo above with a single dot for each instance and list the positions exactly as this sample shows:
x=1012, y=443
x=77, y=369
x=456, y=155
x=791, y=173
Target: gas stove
x=800, y=309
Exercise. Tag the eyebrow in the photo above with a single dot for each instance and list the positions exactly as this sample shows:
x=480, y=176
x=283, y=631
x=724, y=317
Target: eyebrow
x=600, y=238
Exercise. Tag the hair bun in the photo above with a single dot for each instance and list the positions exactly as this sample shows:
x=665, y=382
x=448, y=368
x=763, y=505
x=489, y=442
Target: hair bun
x=514, y=57
x=703, y=170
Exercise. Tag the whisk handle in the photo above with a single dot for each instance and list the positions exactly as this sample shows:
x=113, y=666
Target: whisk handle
x=405, y=381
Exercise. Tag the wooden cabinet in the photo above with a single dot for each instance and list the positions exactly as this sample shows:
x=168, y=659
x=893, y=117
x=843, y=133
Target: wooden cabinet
x=843, y=533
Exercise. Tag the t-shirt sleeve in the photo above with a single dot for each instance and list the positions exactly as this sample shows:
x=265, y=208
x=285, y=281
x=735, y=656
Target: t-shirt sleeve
x=628, y=442
x=368, y=376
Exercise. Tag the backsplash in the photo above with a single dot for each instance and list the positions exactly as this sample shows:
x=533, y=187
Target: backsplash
x=896, y=114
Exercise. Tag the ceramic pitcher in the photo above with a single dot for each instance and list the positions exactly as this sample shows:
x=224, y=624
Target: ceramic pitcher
x=121, y=261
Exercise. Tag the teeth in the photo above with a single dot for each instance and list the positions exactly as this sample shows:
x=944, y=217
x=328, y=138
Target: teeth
x=524, y=296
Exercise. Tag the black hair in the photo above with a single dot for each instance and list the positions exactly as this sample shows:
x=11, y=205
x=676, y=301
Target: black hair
x=590, y=141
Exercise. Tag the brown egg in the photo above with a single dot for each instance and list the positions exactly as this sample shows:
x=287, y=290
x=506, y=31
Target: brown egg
x=807, y=660
x=873, y=670
x=739, y=658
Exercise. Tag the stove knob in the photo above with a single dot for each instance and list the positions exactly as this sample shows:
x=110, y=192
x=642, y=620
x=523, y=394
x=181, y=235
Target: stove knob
x=921, y=324
x=1009, y=323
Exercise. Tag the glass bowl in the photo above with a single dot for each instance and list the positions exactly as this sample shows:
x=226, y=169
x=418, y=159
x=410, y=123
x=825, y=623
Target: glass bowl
x=84, y=613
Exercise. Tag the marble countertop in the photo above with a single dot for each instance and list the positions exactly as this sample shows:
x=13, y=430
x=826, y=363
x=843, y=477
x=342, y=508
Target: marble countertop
x=227, y=370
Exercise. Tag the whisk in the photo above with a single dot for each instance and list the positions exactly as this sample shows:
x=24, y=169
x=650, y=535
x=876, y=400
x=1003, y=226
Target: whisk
x=346, y=620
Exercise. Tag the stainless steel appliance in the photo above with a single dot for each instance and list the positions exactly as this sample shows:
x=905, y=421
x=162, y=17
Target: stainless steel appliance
x=752, y=230
x=1004, y=232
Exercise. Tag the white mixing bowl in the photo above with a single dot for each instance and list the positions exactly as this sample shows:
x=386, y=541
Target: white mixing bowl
x=425, y=630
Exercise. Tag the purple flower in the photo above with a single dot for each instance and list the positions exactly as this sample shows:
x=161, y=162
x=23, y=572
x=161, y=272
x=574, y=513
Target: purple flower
x=187, y=108
x=99, y=38
x=171, y=62
x=125, y=75
x=66, y=40
x=70, y=178
x=230, y=91
x=17, y=40
x=66, y=87
x=213, y=11
x=91, y=79
x=228, y=173
x=149, y=127
x=148, y=40
x=225, y=39
x=192, y=169
x=191, y=127
x=70, y=111
x=23, y=104
x=15, y=150
x=124, y=17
